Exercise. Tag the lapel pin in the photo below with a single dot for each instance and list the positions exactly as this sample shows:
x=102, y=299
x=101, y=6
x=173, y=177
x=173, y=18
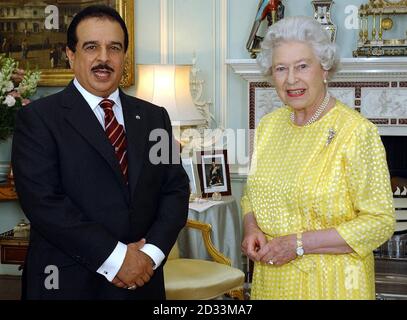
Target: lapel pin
x=331, y=136
x=138, y=117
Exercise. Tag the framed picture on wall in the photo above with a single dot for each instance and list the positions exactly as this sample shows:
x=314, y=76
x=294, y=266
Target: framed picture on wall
x=213, y=169
x=192, y=171
x=34, y=33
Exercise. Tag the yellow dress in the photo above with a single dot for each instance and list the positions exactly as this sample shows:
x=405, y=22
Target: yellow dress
x=330, y=174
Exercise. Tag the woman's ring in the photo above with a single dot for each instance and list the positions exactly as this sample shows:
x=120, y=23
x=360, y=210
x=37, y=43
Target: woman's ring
x=270, y=262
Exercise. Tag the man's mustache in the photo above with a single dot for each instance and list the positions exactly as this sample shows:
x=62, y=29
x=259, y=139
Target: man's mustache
x=102, y=67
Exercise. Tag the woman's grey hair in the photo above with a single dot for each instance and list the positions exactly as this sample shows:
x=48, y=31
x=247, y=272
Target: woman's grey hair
x=303, y=29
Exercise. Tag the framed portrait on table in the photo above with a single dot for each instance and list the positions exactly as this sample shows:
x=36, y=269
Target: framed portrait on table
x=213, y=170
x=192, y=172
x=34, y=33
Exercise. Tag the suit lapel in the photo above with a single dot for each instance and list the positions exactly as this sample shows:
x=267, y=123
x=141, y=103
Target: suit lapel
x=136, y=133
x=80, y=116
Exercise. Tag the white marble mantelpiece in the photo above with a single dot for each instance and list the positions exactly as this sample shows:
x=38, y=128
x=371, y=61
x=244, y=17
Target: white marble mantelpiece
x=351, y=69
x=377, y=87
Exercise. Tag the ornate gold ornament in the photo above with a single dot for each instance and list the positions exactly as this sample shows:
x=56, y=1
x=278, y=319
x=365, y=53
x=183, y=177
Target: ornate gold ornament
x=376, y=17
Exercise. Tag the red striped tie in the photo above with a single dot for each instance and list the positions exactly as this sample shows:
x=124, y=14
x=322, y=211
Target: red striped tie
x=116, y=135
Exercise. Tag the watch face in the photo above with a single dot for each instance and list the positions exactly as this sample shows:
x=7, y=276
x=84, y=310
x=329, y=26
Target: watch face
x=300, y=251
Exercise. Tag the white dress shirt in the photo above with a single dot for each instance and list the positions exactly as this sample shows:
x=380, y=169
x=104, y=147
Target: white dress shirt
x=113, y=263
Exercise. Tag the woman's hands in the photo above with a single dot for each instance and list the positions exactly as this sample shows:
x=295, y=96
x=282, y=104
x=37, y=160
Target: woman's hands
x=255, y=245
x=279, y=251
x=254, y=239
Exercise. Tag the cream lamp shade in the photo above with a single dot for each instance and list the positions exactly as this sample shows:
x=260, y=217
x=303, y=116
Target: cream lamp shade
x=168, y=86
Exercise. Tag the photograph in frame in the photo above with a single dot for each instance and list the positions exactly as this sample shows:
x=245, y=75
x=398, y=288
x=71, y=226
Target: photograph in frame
x=192, y=172
x=214, y=173
x=34, y=33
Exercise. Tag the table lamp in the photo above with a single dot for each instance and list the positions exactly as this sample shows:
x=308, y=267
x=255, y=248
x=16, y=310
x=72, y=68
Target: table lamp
x=169, y=86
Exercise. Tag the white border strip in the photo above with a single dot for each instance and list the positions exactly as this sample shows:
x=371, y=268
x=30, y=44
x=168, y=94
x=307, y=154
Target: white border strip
x=173, y=32
x=224, y=101
x=164, y=31
x=214, y=56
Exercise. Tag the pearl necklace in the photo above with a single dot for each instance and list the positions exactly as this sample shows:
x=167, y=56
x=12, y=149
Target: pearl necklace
x=317, y=113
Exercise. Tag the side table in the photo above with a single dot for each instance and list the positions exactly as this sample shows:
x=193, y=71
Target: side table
x=226, y=232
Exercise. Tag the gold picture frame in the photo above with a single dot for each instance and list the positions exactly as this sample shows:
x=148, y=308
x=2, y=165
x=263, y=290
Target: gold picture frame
x=41, y=42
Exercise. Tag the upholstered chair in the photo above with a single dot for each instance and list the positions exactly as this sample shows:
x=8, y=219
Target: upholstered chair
x=196, y=279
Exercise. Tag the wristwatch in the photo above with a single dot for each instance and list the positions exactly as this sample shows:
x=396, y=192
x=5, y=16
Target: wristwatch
x=300, y=249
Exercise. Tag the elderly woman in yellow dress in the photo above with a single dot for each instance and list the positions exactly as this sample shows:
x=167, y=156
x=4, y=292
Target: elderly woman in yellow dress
x=318, y=199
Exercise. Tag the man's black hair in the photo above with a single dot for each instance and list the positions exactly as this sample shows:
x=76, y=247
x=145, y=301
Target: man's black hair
x=96, y=11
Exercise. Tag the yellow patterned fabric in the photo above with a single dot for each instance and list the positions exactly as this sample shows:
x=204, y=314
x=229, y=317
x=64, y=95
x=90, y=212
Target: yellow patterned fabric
x=330, y=174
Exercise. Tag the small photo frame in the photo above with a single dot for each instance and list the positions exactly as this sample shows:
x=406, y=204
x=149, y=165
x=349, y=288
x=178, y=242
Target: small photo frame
x=192, y=171
x=213, y=170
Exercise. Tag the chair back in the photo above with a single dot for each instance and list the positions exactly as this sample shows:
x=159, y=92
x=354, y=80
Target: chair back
x=174, y=253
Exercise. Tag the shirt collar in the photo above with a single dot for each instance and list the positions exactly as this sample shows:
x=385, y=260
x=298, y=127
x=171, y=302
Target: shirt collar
x=93, y=100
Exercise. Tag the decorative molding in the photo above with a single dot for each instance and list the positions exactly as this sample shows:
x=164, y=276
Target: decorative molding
x=246, y=68
x=351, y=69
x=375, y=68
x=196, y=87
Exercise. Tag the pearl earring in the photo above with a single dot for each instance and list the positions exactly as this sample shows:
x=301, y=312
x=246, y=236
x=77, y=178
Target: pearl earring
x=325, y=81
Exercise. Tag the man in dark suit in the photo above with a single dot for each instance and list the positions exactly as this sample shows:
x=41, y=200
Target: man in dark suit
x=103, y=215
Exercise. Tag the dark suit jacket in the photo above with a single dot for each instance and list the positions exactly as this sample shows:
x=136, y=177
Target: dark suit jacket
x=71, y=188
